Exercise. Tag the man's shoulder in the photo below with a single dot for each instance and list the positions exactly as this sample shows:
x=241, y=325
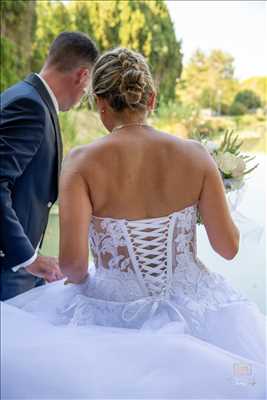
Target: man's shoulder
x=21, y=92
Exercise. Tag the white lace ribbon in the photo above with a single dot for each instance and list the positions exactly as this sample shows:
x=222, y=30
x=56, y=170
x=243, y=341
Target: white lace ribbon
x=155, y=301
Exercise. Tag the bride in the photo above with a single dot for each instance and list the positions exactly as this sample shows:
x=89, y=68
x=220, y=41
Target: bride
x=147, y=319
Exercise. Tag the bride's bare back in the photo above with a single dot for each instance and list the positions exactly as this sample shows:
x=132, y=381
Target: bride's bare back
x=137, y=175
x=141, y=173
x=135, y=172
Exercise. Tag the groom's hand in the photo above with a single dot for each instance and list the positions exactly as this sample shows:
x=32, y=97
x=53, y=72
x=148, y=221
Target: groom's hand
x=46, y=268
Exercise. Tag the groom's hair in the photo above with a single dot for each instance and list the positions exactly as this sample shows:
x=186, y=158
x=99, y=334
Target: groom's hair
x=71, y=50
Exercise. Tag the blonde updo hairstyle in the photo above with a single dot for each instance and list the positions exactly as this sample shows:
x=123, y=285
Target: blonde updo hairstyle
x=123, y=78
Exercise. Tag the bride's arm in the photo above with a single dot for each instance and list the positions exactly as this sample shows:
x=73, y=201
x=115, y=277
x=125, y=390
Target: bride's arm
x=75, y=212
x=222, y=232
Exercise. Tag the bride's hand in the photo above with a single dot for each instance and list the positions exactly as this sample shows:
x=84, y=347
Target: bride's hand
x=68, y=281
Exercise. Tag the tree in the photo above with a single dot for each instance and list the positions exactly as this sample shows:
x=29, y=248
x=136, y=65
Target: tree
x=208, y=80
x=259, y=86
x=18, y=20
x=52, y=18
x=237, y=108
x=144, y=26
x=248, y=98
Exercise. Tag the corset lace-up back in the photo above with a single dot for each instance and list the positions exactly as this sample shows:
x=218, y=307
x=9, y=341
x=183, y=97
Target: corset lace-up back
x=148, y=241
x=145, y=247
x=148, y=266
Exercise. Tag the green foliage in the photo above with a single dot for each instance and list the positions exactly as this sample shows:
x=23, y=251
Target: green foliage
x=251, y=120
x=259, y=86
x=52, y=18
x=17, y=26
x=208, y=80
x=10, y=10
x=230, y=143
x=248, y=98
x=175, y=118
x=79, y=127
x=211, y=128
x=244, y=101
x=174, y=110
x=68, y=129
x=224, y=109
x=144, y=26
x=237, y=108
x=11, y=65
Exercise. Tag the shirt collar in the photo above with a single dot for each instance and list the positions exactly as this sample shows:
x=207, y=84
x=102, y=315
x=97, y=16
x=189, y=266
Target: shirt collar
x=50, y=91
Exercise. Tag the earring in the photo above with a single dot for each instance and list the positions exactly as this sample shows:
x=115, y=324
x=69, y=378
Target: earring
x=102, y=110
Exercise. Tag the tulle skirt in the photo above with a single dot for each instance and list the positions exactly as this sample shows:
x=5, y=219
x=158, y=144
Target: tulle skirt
x=43, y=358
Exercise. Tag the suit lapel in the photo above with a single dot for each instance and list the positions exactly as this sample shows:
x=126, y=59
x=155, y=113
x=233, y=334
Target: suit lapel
x=33, y=80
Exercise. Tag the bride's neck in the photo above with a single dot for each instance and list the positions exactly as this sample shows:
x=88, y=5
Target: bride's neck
x=127, y=119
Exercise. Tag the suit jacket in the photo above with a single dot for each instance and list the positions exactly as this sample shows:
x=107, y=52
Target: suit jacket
x=30, y=161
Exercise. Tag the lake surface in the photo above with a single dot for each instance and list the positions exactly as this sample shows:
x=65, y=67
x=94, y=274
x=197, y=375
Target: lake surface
x=247, y=270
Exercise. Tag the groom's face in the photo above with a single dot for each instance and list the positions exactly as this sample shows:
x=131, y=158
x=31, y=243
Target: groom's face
x=78, y=86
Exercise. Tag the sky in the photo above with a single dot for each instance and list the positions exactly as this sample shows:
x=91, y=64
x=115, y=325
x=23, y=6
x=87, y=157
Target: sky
x=237, y=27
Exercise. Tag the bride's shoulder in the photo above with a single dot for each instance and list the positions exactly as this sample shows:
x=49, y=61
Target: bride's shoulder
x=84, y=159
x=78, y=153
x=74, y=157
x=196, y=146
x=186, y=144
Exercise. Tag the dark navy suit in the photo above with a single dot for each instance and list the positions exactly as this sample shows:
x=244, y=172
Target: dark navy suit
x=30, y=161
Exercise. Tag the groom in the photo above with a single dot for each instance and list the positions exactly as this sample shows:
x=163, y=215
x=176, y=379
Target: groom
x=31, y=156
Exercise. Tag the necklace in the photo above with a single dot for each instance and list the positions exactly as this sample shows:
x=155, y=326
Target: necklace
x=127, y=125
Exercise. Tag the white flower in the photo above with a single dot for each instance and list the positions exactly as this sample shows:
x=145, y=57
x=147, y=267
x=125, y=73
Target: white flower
x=230, y=164
x=240, y=168
x=211, y=146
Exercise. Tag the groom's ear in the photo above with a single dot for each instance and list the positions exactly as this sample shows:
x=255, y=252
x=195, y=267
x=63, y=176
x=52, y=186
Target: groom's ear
x=82, y=75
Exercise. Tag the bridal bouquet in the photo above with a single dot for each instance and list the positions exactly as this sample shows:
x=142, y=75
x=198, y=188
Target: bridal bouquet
x=232, y=164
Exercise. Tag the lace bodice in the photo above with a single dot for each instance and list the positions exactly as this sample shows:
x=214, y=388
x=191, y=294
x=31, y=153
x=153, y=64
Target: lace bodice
x=146, y=264
x=148, y=251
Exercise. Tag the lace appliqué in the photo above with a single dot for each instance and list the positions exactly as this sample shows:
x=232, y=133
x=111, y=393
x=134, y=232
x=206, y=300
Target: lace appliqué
x=147, y=268
x=197, y=288
x=108, y=245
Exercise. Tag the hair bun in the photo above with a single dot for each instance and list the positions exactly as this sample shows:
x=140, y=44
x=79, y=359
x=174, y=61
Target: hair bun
x=123, y=56
x=132, y=81
x=126, y=64
x=132, y=78
x=132, y=86
x=123, y=77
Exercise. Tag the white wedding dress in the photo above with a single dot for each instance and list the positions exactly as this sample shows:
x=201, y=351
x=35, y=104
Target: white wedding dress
x=151, y=322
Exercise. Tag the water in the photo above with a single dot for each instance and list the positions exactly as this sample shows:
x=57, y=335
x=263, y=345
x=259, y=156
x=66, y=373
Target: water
x=247, y=270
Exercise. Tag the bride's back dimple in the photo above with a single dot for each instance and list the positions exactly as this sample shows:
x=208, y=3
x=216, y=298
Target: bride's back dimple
x=143, y=177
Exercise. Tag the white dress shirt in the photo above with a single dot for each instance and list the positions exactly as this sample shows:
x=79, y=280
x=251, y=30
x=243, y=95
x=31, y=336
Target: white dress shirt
x=55, y=103
x=50, y=91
